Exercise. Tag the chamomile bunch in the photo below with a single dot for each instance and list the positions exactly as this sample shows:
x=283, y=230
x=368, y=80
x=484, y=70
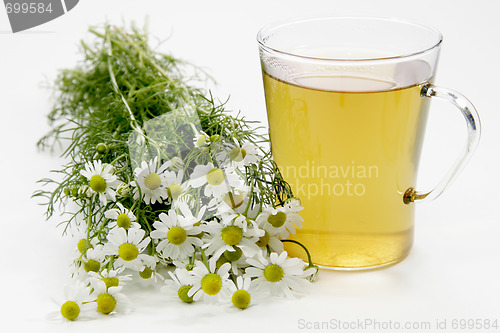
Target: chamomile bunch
x=160, y=174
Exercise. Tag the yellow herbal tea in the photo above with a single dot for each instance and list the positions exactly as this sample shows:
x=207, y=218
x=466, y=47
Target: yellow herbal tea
x=349, y=147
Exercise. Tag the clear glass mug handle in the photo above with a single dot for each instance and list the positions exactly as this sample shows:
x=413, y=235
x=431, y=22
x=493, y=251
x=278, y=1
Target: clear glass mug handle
x=473, y=130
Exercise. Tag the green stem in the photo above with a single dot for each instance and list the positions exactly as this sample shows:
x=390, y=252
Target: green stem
x=204, y=257
x=303, y=247
x=89, y=221
x=118, y=158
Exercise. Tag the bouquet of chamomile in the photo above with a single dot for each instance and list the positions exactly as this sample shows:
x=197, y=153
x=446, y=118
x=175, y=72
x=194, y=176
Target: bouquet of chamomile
x=163, y=183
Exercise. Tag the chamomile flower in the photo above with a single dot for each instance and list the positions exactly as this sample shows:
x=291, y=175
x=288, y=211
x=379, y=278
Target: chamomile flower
x=78, y=301
x=216, y=180
x=188, y=215
x=209, y=282
x=186, y=262
x=122, y=218
x=278, y=275
x=124, y=190
x=230, y=238
x=110, y=300
x=239, y=220
x=84, y=244
x=240, y=293
x=282, y=219
x=174, y=184
x=236, y=259
x=233, y=201
x=149, y=269
x=111, y=278
x=127, y=245
x=93, y=260
x=151, y=181
x=238, y=200
x=179, y=282
x=176, y=164
x=243, y=155
x=201, y=140
x=178, y=236
x=270, y=238
x=102, y=181
x=293, y=205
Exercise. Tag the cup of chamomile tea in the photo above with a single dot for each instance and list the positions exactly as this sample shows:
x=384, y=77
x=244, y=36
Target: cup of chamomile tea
x=347, y=103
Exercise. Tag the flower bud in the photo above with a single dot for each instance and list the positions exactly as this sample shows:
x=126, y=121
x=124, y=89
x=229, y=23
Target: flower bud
x=216, y=138
x=314, y=276
x=112, y=170
x=74, y=191
x=101, y=148
x=84, y=192
x=202, y=141
x=177, y=164
x=124, y=190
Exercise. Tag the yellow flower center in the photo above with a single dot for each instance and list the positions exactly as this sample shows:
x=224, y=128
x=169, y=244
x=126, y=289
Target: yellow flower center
x=215, y=176
x=264, y=240
x=128, y=251
x=101, y=148
x=233, y=200
x=233, y=255
x=70, y=310
x=273, y=273
x=277, y=220
x=183, y=294
x=111, y=282
x=106, y=303
x=241, y=299
x=202, y=141
x=221, y=261
x=238, y=154
x=123, y=221
x=211, y=284
x=152, y=181
x=216, y=138
x=231, y=235
x=174, y=191
x=176, y=235
x=146, y=273
x=97, y=183
x=84, y=245
x=92, y=266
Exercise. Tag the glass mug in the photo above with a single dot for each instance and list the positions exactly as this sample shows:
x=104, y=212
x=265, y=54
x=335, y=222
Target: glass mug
x=347, y=102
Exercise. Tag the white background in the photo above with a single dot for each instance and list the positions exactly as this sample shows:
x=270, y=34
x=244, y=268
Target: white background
x=453, y=270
